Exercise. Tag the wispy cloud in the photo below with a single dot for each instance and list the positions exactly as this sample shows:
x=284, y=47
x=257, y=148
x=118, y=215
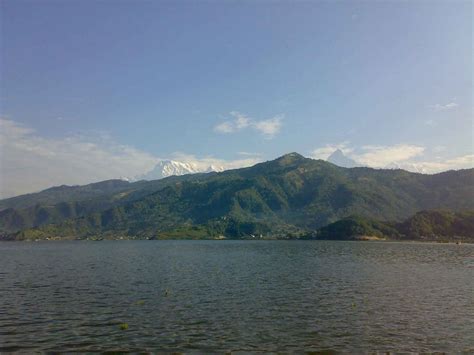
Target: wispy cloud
x=438, y=165
x=269, y=128
x=445, y=107
x=225, y=127
x=238, y=122
x=30, y=162
x=249, y=154
x=381, y=156
x=241, y=121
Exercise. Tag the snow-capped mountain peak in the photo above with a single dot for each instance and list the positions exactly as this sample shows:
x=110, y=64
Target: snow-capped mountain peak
x=166, y=168
x=214, y=168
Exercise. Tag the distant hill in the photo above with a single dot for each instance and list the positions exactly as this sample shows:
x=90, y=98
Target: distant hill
x=434, y=225
x=288, y=195
x=64, y=193
x=357, y=228
x=438, y=225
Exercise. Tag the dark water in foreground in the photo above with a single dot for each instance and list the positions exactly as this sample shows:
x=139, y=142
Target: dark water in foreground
x=236, y=296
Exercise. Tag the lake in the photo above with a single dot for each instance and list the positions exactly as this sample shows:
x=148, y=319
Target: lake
x=214, y=296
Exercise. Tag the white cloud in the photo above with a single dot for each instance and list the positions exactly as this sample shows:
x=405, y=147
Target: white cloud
x=381, y=156
x=370, y=155
x=461, y=162
x=404, y=156
x=268, y=128
x=30, y=162
x=225, y=127
x=439, y=165
x=446, y=107
x=241, y=121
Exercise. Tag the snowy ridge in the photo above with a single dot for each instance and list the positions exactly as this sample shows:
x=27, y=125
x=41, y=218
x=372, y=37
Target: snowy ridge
x=167, y=168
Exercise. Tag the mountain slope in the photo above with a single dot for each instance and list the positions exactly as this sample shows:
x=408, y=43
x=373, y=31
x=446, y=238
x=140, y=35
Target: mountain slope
x=65, y=193
x=56, y=204
x=287, y=194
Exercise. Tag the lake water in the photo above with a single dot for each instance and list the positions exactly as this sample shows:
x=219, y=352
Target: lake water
x=213, y=296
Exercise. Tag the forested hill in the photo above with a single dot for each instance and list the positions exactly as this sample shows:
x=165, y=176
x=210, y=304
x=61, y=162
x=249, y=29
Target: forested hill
x=286, y=195
x=435, y=225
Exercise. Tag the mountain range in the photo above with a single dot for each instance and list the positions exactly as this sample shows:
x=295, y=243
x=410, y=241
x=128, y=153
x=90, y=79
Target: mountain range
x=291, y=195
x=166, y=168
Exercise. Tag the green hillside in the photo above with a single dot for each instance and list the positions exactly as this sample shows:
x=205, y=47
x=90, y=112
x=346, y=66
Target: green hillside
x=64, y=193
x=57, y=204
x=438, y=225
x=289, y=195
x=357, y=228
x=434, y=225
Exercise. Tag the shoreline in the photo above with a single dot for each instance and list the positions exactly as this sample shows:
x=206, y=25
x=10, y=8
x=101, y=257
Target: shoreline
x=248, y=240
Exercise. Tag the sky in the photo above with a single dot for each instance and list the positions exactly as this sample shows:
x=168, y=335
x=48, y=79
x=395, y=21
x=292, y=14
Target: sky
x=93, y=90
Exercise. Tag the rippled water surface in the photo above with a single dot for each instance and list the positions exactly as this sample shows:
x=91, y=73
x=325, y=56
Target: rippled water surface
x=236, y=296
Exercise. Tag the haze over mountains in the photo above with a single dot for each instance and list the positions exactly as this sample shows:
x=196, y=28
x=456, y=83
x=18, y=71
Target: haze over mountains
x=291, y=194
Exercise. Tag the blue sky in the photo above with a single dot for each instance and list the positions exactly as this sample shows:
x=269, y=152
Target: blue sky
x=130, y=82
